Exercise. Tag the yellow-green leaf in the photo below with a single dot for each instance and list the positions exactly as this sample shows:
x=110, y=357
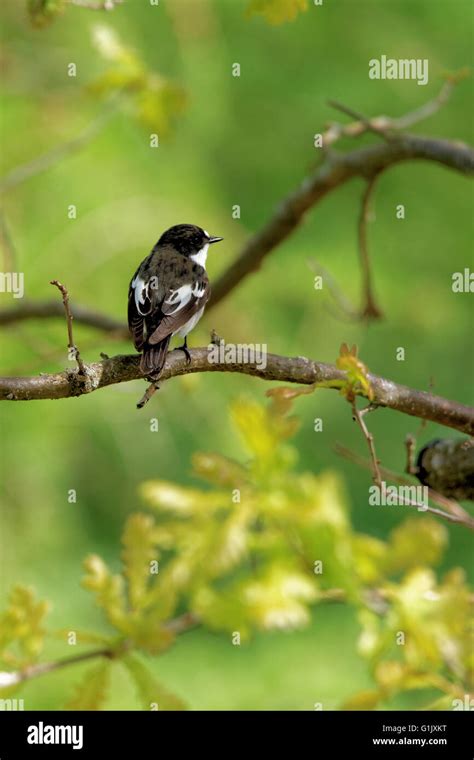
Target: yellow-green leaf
x=416, y=541
x=152, y=694
x=139, y=551
x=108, y=589
x=91, y=692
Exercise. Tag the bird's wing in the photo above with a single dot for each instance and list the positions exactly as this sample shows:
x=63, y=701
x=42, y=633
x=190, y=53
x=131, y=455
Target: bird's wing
x=139, y=305
x=177, y=307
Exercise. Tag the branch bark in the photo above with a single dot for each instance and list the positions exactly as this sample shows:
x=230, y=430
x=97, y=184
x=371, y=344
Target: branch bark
x=119, y=369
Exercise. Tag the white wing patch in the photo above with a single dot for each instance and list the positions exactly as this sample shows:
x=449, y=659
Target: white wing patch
x=140, y=291
x=199, y=290
x=180, y=297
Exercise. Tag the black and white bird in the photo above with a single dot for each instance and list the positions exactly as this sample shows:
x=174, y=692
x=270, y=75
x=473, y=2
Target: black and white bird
x=168, y=293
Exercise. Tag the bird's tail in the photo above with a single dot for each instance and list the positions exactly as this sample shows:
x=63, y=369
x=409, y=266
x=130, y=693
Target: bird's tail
x=153, y=358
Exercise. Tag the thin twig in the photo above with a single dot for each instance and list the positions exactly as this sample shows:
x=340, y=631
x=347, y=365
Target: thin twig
x=369, y=308
x=410, y=444
x=457, y=514
x=359, y=418
x=73, y=350
x=433, y=106
x=370, y=125
x=40, y=164
x=96, y=5
x=150, y=391
x=382, y=124
x=340, y=299
x=9, y=252
x=177, y=625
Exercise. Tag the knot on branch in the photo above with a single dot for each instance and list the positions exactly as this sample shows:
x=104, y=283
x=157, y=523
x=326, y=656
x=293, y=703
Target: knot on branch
x=83, y=380
x=447, y=466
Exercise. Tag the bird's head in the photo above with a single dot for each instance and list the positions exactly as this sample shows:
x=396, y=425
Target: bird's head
x=188, y=239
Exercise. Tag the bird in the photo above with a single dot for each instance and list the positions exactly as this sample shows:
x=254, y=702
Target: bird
x=168, y=293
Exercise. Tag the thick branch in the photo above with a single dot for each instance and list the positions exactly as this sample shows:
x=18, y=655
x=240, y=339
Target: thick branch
x=336, y=169
x=121, y=369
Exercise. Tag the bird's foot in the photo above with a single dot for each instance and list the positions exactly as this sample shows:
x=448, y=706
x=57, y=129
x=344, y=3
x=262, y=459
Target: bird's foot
x=185, y=349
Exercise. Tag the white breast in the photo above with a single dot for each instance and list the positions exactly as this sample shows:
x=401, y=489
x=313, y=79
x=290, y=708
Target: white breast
x=201, y=256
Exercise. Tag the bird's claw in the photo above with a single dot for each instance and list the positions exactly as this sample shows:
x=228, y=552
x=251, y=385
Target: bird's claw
x=185, y=350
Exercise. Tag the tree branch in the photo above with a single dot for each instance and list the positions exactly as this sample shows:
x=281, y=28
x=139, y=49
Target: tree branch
x=41, y=163
x=358, y=416
x=335, y=170
x=96, y=5
x=369, y=308
x=52, y=309
x=178, y=625
x=119, y=369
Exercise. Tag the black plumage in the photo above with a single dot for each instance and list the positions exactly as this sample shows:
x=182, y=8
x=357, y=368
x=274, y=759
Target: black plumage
x=168, y=293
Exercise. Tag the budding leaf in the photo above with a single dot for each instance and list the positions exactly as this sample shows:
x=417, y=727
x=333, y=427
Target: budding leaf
x=150, y=690
x=91, y=692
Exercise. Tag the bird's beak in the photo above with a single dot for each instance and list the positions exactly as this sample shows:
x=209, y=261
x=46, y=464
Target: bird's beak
x=215, y=239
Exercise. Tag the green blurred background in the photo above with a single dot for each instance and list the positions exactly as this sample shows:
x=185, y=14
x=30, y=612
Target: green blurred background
x=246, y=141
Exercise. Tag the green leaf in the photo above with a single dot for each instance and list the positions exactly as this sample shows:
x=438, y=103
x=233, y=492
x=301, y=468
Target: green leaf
x=169, y=497
x=283, y=396
x=22, y=624
x=91, y=692
x=279, y=598
x=159, y=104
x=363, y=700
x=222, y=611
x=154, y=100
x=276, y=12
x=108, y=590
x=356, y=371
x=263, y=432
x=417, y=541
x=152, y=694
x=369, y=558
x=219, y=470
x=148, y=633
x=394, y=676
x=139, y=551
